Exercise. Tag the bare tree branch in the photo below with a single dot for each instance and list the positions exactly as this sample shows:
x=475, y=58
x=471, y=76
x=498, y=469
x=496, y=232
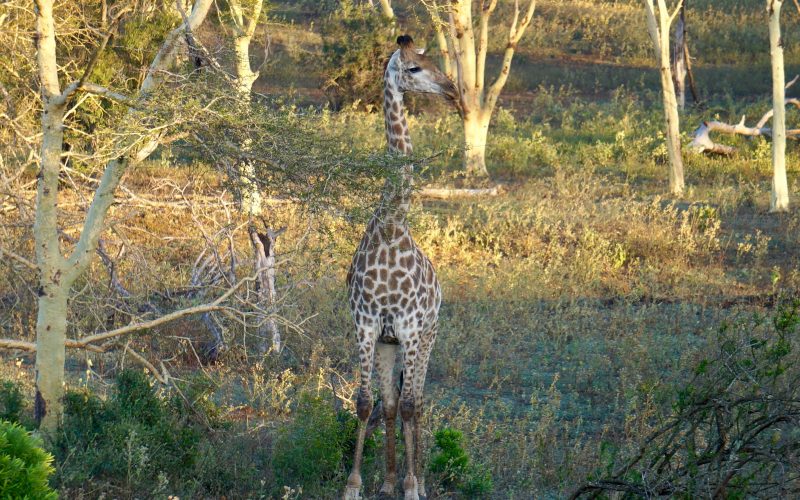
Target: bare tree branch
x=19, y=258
x=214, y=305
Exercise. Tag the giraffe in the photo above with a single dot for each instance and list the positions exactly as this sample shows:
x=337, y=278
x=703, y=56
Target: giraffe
x=393, y=291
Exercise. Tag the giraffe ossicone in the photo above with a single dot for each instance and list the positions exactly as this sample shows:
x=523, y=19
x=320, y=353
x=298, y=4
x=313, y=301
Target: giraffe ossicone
x=394, y=295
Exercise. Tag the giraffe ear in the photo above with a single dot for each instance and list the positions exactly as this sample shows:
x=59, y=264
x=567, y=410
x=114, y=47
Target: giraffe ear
x=420, y=51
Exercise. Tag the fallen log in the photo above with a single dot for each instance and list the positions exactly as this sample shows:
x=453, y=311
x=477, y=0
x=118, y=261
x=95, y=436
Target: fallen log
x=448, y=193
x=701, y=138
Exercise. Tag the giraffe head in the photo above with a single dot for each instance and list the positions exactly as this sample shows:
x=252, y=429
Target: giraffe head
x=409, y=70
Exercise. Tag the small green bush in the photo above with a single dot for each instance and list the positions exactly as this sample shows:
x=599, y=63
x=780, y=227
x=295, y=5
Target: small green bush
x=452, y=463
x=11, y=401
x=317, y=446
x=24, y=465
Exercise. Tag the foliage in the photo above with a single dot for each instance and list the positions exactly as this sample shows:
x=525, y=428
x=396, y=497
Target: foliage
x=735, y=427
x=142, y=441
x=11, y=401
x=452, y=463
x=356, y=43
x=24, y=465
x=290, y=156
x=315, y=447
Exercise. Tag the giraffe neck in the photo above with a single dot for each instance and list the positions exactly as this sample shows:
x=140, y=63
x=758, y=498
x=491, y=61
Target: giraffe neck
x=396, y=195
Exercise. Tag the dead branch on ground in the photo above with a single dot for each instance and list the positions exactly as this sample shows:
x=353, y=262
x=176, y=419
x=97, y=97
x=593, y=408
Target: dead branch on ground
x=702, y=142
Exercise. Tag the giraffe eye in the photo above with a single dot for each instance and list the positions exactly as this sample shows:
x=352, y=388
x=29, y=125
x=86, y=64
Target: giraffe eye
x=415, y=69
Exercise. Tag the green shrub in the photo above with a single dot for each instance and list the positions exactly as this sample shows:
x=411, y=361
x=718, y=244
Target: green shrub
x=24, y=465
x=11, y=401
x=142, y=441
x=356, y=42
x=452, y=463
x=317, y=446
x=734, y=425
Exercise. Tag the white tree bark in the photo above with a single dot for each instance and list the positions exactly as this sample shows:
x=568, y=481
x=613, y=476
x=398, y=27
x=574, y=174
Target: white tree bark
x=244, y=27
x=658, y=26
x=264, y=249
x=478, y=100
x=779, y=199
x=679, y=59
x=386, y=8
x=703, y=143
x=444, y=42
x=57, y=273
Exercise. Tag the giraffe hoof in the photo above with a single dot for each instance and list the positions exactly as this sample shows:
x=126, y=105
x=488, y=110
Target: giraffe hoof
x=351, y=493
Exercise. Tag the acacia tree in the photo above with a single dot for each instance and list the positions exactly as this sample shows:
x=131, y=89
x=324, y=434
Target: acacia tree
x=779, y=200
x=477, y=99
x=659, y=21
x=57, y=271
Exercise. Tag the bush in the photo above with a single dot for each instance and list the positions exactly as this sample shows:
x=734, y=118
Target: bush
x=145, y=442
x=355, y=45
x=11, y=402
x=734, y=428
x=317, y=446
x=24, y=465
x=451, y=462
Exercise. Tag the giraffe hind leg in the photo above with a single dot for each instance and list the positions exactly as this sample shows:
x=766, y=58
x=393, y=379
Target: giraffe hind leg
x=419, y=407
x=385, y=356
x=410, y=343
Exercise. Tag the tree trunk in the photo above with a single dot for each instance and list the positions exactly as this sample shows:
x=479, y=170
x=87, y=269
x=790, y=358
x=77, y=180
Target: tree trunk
x=264, y=262
x=476, y=131
x=54, y=285
x=245, y=78
x=676, y=181
x=658, y=26
x=779, y=200
x=386, y=8
x=680, y=68
x=51, y=334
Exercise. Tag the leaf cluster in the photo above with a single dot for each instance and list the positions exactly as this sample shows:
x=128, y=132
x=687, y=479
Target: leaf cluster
x=24, y=465
x=355, y=45
x=299, y=154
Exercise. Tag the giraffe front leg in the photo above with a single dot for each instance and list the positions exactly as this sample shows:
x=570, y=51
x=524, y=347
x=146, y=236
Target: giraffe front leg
x=366, y=341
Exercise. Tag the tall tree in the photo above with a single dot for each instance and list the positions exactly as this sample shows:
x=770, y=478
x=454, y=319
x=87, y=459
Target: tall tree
x=478, y=100
x=779, y=200
x=244, y=21
x=58, y=272
x=659, y=21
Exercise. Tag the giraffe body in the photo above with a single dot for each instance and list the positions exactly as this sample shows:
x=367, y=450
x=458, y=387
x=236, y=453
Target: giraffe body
x=394, y=295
